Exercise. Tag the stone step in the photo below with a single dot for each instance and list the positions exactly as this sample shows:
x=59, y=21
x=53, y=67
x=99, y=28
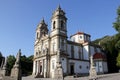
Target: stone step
x=69, y=77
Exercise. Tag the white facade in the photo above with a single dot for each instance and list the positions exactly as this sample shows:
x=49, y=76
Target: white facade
x=74, y=53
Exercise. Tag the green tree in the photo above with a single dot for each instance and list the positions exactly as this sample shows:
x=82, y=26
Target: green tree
x=0, y=54
x=26, y=64
x=118, y=60
x=11, y=62
x=108, y=44
x=111, y=46
x=30, y=64
x=1, y=58
x=116, y=24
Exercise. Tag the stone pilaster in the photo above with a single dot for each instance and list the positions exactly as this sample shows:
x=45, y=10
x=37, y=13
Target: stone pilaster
x=37, y=69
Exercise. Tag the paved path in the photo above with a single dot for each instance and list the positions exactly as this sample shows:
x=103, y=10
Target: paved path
x=115, y=76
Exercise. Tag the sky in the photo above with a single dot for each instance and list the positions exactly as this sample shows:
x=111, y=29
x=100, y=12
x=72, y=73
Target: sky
x=19, y=19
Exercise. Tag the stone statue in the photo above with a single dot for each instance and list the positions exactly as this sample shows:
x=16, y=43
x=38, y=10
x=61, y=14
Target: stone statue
x=59, y=69
x=46, y=51
x=92, y=71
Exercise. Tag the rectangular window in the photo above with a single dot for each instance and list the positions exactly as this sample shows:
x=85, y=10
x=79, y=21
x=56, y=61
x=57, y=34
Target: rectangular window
x=62, y=44
x=72, y=51
x=79, y=52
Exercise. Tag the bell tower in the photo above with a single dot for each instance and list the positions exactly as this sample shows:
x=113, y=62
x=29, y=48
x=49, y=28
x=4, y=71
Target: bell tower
x=59, y=28
x=42, y=30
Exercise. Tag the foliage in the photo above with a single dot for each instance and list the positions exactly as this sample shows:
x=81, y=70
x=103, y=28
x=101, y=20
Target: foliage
x=118, y=60
x=11, y=62
x=0, y=58
x=116, y=24
x=26, y=64
x=0, y=54
x=111, y=44
x=117, y=45
x=108, y=44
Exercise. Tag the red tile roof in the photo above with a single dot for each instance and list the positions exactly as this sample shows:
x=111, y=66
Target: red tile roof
x=99, y=56
x=80, y=33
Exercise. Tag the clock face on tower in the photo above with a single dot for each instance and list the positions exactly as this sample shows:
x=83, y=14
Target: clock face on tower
x=80, y=37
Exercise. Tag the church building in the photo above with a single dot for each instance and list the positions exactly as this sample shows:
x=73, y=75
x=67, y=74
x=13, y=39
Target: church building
x=74, y=53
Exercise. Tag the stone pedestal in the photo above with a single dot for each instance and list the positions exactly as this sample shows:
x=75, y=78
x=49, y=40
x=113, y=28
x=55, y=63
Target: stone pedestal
x=59, y=73
x=3, y=69
x=16, y=70
x=92, y=72
x=1, y=75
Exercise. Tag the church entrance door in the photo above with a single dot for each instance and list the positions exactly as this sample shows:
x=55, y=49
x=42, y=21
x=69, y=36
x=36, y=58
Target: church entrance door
x=40, y=68
x=71, y=69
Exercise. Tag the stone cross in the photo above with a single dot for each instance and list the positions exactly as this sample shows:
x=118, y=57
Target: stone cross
x=46, y=51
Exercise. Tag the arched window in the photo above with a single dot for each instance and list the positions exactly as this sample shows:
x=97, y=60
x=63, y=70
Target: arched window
x=36, y=53
x=54, y=25
x=44, y=33
x=62, y=25
x=37, y=36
